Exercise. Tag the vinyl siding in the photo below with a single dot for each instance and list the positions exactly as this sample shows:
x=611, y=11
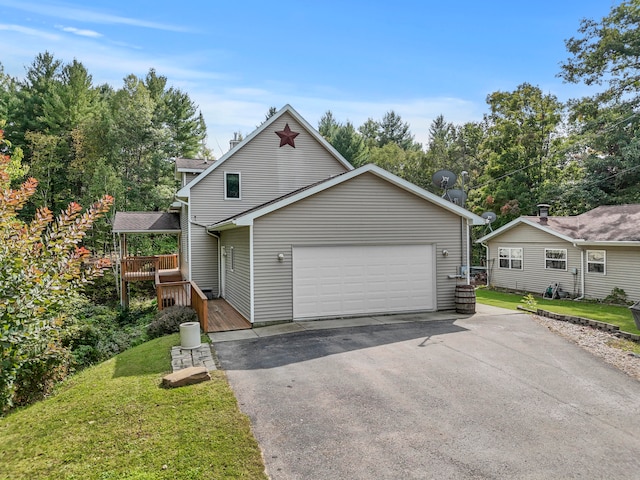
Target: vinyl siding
x=533, y=277
x=363, y=211
x=267, y=171
x=204, y=259
x=237, y=281
x=184, y=241
x=622, y=267
x=187, y=177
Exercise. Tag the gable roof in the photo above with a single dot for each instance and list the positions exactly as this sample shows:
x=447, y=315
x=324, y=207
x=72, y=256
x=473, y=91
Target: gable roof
x=185, y=191
x=146, y=222
x=247, y=217
x=192, y=165
x=607, y=224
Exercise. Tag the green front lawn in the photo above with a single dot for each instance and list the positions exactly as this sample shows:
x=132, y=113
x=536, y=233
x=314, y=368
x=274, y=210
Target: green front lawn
x=113, y=421
x=617, y=315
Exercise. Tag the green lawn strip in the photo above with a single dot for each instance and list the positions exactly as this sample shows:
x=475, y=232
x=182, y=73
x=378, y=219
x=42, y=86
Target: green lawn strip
x=616, y=315
x=113, y=421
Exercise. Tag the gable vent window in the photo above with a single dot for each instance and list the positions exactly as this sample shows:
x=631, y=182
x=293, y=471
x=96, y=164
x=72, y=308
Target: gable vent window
x=555, y=258
x=596, y=261
x=231, y=186
x=510, y=258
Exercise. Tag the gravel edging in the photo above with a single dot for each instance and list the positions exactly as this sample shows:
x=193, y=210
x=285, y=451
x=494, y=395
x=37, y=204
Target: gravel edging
x=596, y=342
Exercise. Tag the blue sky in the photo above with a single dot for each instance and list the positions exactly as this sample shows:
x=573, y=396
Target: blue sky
x=358, y=59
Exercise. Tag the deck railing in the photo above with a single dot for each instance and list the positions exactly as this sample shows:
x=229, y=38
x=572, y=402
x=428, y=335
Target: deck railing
x=169, y=291
x=167, y=262
x=183, y=293
x=173, y=293
x=199, y=304
x=145, y=268
x=138, y=268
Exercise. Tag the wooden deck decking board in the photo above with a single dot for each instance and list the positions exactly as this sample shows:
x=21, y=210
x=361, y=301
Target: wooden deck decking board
x=222, y=317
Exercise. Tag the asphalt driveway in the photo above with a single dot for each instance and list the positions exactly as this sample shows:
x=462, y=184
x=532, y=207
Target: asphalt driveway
x=494, y=395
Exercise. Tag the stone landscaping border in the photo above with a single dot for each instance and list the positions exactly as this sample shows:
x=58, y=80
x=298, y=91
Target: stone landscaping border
x=607, y=327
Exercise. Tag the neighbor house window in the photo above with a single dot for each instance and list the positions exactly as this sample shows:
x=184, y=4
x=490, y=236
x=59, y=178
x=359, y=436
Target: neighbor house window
x=231, y=186
x=510, y=258
x=555, y=258
x=596, y=261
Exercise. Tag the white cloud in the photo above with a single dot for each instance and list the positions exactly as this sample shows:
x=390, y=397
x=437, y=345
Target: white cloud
x=80, y=32
x=32, y=32
x=85, y=15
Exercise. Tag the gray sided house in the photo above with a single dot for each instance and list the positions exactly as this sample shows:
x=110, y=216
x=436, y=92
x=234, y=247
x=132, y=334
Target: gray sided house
x=283, y=228
x=588, y=255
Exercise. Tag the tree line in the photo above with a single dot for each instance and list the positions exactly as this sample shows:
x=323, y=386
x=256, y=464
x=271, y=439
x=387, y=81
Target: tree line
x=530, y=148
x=81, y=141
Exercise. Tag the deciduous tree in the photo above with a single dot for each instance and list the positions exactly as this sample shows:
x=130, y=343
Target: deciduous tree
x=605, y=56
x=43, y=265
x=520, y=149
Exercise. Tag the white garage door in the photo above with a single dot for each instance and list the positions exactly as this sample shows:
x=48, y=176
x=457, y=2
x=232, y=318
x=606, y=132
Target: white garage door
x=351, y=280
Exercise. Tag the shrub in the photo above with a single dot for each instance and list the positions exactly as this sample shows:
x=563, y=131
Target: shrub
x=168, y=320
x=39, y=374
x=43, y=267
x=530, y=302
x=96, y=332
x=617, y=297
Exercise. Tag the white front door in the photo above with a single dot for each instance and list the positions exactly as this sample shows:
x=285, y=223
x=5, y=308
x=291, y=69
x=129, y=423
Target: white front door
x=335, y=281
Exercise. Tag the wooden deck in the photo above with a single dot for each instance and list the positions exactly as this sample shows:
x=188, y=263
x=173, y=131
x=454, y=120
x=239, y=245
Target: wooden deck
x=223, y=317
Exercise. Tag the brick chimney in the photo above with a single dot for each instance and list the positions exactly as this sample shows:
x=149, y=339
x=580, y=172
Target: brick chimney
x=543, y=212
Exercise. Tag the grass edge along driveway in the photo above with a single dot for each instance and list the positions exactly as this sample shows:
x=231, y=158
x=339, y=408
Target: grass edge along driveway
x=113, y=421
x=614, y=314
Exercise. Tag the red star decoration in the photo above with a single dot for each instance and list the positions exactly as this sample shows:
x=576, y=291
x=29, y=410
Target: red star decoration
x=287, y=136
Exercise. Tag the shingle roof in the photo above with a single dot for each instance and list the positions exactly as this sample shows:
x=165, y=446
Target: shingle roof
x=606, y=223
x=193, y=164
x=146, y=222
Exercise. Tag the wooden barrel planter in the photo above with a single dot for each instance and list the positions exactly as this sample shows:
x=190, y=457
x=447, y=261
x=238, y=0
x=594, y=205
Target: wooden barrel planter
x=465, y=299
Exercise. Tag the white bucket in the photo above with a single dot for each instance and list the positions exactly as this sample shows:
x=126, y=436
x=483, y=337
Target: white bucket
x=189, y=335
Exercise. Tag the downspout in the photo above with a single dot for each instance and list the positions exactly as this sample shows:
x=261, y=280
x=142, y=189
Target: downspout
x=468, y=254
x=217, y=237
x=462, y=242
x=186, y=204
x=581, y=273
x=486, y=263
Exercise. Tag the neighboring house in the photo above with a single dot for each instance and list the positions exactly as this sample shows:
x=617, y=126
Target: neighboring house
x=588, y=255
x=283, y=228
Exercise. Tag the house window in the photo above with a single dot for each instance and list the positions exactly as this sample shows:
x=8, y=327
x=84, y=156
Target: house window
x=231, y=186
x=555, y=258
x=596, y=261
x=510, y=258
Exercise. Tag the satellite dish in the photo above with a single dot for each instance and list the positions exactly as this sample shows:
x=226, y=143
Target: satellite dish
x=489, y=217
x=456, y=196
x=444, y=179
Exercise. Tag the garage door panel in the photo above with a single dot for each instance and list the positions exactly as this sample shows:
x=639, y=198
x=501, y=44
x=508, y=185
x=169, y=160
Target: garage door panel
x=352, y=280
